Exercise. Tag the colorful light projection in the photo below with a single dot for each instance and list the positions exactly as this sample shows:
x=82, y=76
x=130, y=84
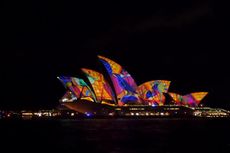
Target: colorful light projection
x=192, y=99
x=67, y=82
x=124, y=85
x=152, y=91
x=77, y=87
x=101, y=88
x=85, y=90
x=127, y=92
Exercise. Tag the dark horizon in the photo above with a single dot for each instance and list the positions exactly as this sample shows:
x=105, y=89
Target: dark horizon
x=179, y=41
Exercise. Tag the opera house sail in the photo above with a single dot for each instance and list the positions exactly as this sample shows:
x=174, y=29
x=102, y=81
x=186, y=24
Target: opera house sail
x=151, y=92
x=100, y=86
x=192, y=99
x=124, y=84
x=123, y=97
x=77, y=88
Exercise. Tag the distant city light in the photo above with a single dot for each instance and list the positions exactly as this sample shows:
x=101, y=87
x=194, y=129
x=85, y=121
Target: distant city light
x=87, y=114
x=39, y=114
x=64, y=99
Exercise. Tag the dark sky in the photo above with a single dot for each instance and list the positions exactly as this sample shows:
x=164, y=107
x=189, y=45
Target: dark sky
x=181, y=41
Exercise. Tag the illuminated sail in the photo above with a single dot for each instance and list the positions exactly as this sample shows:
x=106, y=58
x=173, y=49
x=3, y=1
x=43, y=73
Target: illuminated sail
x=176, y=98
x=77, y=87
x=123, y=83
x=152, y=91
x=198, y=96
x=85, y=90
x=101, y=88
x=192, y=99
x=67, y=82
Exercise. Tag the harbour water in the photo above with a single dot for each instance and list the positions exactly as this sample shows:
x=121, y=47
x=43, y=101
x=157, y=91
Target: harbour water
x=117, y=135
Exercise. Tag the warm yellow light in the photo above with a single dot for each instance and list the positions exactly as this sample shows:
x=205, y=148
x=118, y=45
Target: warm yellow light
x=87, y=98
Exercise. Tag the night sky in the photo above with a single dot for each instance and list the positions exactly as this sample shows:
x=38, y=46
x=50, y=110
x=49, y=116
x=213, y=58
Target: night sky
x=181, y=41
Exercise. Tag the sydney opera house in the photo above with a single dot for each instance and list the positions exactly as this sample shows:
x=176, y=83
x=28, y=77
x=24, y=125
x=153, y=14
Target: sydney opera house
x=119, y=95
